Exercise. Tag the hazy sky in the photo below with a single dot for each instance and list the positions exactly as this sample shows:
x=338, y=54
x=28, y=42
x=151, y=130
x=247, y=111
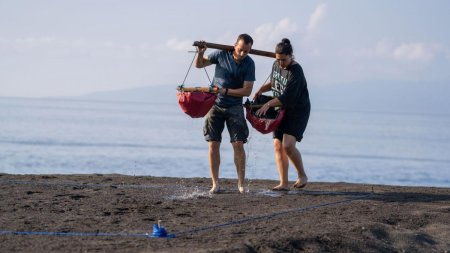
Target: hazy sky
x=72, y=47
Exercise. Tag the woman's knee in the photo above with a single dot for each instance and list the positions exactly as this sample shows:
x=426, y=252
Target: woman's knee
x=278, y=146
x=289, y=149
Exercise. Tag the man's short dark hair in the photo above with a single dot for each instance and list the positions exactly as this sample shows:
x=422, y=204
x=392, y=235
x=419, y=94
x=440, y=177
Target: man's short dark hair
x=246, y=38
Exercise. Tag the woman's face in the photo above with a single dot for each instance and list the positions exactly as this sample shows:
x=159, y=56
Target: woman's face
x=284, y=60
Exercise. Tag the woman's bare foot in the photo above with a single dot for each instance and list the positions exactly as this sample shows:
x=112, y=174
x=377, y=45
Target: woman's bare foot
x=280, y=187
x=301, y=182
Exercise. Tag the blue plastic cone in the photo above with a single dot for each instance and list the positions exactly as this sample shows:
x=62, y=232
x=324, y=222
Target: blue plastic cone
x=160, y=232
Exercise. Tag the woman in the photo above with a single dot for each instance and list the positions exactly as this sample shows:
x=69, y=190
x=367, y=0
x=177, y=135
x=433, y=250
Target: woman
x=290, y=91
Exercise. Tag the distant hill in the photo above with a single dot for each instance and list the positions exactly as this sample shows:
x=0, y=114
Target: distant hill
x=385, y=96
x=376, y=96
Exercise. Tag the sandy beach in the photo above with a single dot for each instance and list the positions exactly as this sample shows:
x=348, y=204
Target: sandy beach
x=115, y=213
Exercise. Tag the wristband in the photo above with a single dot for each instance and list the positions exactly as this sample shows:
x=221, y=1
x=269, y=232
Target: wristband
x=226, y=91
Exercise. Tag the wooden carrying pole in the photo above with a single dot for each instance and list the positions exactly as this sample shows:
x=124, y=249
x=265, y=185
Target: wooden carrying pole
x=231, y=48
x=253, y=106
x=198, y=89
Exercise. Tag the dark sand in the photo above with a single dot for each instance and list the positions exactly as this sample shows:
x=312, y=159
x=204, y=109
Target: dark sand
x=324, y=217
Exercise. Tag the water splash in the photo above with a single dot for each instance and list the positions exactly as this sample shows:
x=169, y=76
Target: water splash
x=270, y=193
x=185, y=193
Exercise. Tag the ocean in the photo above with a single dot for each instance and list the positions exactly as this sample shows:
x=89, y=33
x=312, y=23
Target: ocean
x=69, y=136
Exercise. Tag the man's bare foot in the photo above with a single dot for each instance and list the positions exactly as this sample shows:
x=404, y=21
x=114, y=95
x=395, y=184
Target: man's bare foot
x=215, y=189
x=301, y=182
x=241, y=189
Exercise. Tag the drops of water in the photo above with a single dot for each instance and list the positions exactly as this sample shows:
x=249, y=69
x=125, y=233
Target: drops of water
x=270, y=193
x=184, y=193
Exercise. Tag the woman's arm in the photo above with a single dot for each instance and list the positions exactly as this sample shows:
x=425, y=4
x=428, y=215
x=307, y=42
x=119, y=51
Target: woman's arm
x=264, y=88
x=275, y=102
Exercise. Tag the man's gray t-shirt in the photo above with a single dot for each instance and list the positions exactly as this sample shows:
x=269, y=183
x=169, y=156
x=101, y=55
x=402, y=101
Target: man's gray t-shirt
x=229, y=74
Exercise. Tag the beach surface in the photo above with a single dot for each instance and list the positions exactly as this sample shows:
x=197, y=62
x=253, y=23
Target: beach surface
x=116, y=213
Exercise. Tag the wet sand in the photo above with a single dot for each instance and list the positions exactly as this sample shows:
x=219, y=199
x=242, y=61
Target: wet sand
x=115, y=213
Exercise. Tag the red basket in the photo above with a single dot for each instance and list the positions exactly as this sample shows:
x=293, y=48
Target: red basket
x=196, y=104
x=264, y=125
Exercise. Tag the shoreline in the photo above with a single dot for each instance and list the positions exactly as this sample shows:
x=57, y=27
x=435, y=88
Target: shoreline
x=247, y=180
x=337, y=217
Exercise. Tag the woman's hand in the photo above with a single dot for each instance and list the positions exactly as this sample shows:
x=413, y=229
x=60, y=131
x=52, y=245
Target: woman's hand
x=263, y=110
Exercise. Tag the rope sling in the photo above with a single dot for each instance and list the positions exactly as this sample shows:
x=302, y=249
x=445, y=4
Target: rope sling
x=197, y=101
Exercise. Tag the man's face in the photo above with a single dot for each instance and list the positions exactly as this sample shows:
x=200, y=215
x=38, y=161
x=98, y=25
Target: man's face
x=241, y=50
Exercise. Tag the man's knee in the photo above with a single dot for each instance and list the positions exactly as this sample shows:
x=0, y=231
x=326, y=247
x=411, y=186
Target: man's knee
x=238, y=145
x=214, y=146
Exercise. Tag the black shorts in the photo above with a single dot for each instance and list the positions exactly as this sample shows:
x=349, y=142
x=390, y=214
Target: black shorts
x=293, y=123
x=234, y=118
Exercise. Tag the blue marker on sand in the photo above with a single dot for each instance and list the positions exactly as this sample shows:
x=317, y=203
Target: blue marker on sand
x=160, y=232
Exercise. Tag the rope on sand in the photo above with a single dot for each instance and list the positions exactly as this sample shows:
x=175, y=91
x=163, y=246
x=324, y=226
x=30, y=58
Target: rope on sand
x=272, y=215
x=190, y=231
x=71, y=233
x=69, y=184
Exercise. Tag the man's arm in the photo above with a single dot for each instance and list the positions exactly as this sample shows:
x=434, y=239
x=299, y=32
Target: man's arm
x=202, y=60
x=241, y=92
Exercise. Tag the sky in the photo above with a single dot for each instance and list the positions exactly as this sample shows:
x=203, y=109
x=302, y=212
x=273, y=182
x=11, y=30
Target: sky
x=51, y=48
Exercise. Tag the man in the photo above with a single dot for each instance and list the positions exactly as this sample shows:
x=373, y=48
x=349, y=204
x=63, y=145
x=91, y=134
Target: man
x=234, y=75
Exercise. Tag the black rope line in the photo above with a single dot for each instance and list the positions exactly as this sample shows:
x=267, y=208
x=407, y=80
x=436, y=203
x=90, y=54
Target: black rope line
x=272, y=215
x=189, y=69
x=190, y=231
x=209, y=79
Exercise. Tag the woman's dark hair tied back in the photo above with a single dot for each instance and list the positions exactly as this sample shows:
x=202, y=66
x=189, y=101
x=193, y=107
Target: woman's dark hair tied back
x=284, y=47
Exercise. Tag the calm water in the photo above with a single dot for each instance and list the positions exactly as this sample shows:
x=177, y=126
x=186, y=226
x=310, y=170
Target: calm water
x=41, y=136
